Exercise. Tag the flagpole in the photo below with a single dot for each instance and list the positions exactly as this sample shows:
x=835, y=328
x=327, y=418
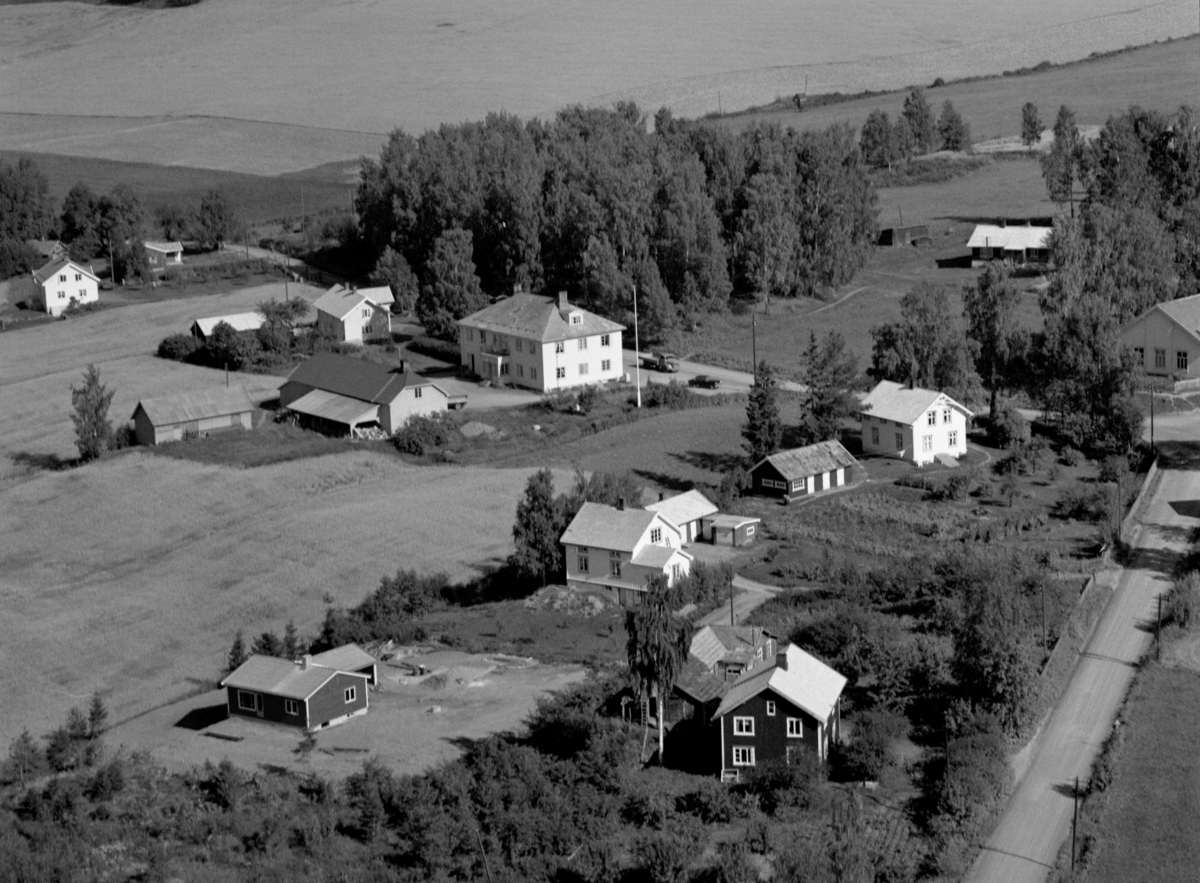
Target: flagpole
x=637, y=351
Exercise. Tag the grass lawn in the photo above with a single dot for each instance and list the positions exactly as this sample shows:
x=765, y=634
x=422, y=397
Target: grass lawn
x=1148, y=827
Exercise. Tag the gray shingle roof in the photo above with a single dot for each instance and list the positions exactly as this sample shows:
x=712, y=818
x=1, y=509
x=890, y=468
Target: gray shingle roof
x=236, y=321
x=713, y=643
x=279, y=677
x=606, y=527
x=1185, y=312
x=684, y=508
x=355, y=378
x=658, y=556
x=807, y=683
x=826, y=456
x=895, y=401
x=340, y=301
x=184, y=407
x=348, y=657
x=43, y=273
x=699, y=683
x=534, y=317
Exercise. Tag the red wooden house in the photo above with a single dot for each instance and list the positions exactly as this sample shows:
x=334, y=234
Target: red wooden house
x=298, y=694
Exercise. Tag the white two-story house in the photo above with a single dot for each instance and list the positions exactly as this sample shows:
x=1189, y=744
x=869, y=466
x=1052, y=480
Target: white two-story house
x=541, y=343
x=354, y=315
x=61, y=283
x=913, y=423
x=617, y=550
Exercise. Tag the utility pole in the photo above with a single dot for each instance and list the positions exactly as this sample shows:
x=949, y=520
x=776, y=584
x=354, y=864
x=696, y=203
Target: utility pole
x=1074, y=822
x=732, y=621
x=1158, y=630
x=754, y=346
x=637, y=352
x=1045, y=651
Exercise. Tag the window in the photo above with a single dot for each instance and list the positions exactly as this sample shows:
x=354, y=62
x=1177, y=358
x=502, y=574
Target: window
x=504, y=368
x=743, y=726
x=1181, y=360
x=351, y=694
x=750, y=530
x=604, y=341
x=470, y=334
x=246, y=701
x=874, y=435
x=366, y=314
x=675, y=574
x=82, y=293
x=931, y=418
x=417, y=392
x=656, y=535
x=952, y=438
x=62, y=277
x=583, y=369
x=1160, y=358
x=560, y=347
x=291, y=706
x=520, y=370
x=927, y=443
x=614, y=563
x=533, y=373
x=743, y=756
x=1139, y=353
x=560, y=373
x=583, y=343
x=533, y=347
x=78, y=277
x=770, y=705
x=945, y=415
x=520, y=345
x=62, y=295
x=583, y=559
x=801, y=485
x=576, y=319
x=899, y=441
x=795, y=728
x=606, y=365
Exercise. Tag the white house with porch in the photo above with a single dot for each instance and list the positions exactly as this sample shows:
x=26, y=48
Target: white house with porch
x=617, y=550
x=913, y=423
x=541, y=343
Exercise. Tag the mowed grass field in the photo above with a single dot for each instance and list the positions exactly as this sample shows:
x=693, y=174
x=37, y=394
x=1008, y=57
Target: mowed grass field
x=38, y=367
x=131, y=575
x=1150, y=829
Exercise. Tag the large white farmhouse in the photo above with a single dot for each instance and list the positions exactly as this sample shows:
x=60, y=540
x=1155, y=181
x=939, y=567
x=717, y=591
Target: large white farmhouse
x=913, y=423
x=61, y=283
x=540, y=343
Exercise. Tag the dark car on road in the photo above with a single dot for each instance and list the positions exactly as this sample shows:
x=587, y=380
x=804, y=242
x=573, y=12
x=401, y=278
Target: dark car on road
x=703, y=381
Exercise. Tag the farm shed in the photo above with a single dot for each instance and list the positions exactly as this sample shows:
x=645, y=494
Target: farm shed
x=49, y=249
x=730, y=530
x=915, y=234
x=240, y=322
x=163, y=255
x=803, y=471
x=192, y=414
x=1020, y=244
x=342, y=395
x=686, y=511
x=298, y=694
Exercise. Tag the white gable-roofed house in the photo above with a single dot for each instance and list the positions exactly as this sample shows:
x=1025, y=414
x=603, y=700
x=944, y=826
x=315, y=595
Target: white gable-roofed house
x=1165, y=340
x=913, y=423
x=617, y=550
x=354, y=315
x=61, y=283
x=541, y=343
x=686, y=511
x=1020, y=243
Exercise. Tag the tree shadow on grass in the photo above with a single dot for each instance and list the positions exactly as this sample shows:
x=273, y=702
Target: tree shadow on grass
x=47, y=462
x=712, y=462
x=662, y=479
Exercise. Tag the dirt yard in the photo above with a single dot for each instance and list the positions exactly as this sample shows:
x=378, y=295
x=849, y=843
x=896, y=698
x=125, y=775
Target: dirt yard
x=130, y=576
x=414, y=723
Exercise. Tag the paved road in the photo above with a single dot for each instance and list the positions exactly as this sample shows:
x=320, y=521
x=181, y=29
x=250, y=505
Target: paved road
x=731, y=380
x=1025, y=844
x=749, y=595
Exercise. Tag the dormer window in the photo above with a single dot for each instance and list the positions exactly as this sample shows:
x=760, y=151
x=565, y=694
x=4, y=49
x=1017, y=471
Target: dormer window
x=577, y=318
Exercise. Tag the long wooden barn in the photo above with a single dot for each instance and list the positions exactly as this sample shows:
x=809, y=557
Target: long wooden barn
x=192, y=414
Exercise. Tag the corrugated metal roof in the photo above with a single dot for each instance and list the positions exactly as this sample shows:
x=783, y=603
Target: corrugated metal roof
x=43, y=273
x=279, y=677
x=534, y=317
x=807, y=683
x=606, y=527
x=1009, y=238
x=349, y=657
x=356, y=378
x=826, y=456
x=184, y=407
x=236, y=321
x=658, y=557
x=895, y=401
x=165, y=247
x=336, y=408
x=682, y=508
x=732, y=521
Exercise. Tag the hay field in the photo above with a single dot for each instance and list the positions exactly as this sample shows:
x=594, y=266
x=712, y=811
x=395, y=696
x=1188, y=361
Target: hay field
x=131, y=575
x=39, y=365
x=367, y=65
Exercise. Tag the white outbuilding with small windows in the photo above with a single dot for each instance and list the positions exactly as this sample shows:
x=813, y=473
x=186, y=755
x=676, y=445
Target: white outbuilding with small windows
x=913, y=423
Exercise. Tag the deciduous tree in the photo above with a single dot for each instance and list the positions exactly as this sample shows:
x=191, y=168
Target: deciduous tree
x=215, y=221
x=990, y=310
x=1031, y=125
x=656, y=646
x=79, y=223
x=537, y=528
x=953, y=129
x=1060, y=165
x=875, y=140
x=919, y=116
x=927, y=347
x=451, y=289
x=763, y=429
x=393, y=270
x=90, y=401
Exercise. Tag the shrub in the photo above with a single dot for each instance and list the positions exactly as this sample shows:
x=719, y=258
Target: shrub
x=1008, y=428
x=177, y=347
x=1084, y=502
x=673, y=395
x=1071, y=456
x=778, y=784
x=711, y=803
x=869, y=753
x=422, y=432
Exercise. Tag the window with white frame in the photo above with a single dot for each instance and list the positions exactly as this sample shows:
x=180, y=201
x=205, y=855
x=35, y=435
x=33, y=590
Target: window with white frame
x=1160, y=358
x=656, y=535
x=417, y=392
x=82, y=293
x=743, y=755
x=247, y=701
x=366, y=313
x=945, y=415
x=533, y=373
x=351, y=694
x=291, y=706
x=604, y=340
x=800, y=485
x=1181, y=360
x=931, y=418
x=770, y=704
x=470, y=334
x=676, y=573
x=899, y=441
x=874, y=435
x=795, y=728
x=606, y=365
x=582, y=559
x=62, y=277
x=1139, y=353
x=576, y=319
x=520, y=345
x=62, y=295
x=583, y=343
x=952, y=438
x=743, y=726
x=560, y=373
x=926, y=443
x=614, y=563
x=520, y=370
x=560, y=347
x=78, y=277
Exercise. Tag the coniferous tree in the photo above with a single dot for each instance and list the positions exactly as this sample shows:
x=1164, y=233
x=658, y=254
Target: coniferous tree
x=237, y=653
x=451, y=290
x=97, y=718
x=763, y=429
x=90, y=401
x=25, y=760
x=1031, y=125
x=537, y=528
x=292, y=648
x=919, y=116
x=268, y=644
x=830, y=374
x=953, y=129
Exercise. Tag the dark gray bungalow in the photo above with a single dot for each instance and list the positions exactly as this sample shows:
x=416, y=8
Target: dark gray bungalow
x=806, y=470
x=298, y=694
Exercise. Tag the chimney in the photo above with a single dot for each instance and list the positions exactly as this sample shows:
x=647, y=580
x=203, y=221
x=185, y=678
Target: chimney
x=661, y=496
x=562, y=301
x=781, y=660
x=305, y=661
x=403, y=366
x=620, y=504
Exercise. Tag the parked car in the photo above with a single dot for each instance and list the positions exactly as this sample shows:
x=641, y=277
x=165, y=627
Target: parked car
x=661, y=362
x=703, y=381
